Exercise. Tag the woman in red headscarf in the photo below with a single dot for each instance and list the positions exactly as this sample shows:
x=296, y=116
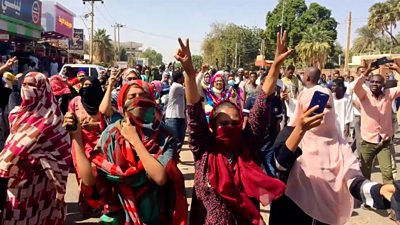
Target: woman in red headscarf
x=228, y=184
x=36, y=157
x=137, y=173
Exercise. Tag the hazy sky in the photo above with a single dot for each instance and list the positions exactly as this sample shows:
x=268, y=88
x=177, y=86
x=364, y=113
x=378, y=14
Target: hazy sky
x=158, y=23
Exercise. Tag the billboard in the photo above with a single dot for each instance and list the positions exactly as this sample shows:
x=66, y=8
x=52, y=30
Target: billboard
x=64, y=22
x=25, y=10
x=76, y=42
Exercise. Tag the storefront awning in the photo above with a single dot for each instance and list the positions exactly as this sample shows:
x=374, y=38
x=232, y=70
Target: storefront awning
x=21, y=28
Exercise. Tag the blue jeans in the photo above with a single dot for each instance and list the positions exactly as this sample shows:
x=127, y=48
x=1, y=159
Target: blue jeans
x=177, y=127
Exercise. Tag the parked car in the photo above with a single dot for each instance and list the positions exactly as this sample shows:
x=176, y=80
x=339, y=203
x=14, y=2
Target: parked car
x=89, y=69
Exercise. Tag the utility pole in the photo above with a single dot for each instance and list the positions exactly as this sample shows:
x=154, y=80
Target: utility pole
x=119, y=41
x=236, y=54
x=91, y=27
x=117, y=44
x=347, y=58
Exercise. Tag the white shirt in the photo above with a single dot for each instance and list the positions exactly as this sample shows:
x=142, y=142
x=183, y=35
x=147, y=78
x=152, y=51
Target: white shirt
x=350, y=92
x=53, y=68
x=176, y=102
x=344, y=111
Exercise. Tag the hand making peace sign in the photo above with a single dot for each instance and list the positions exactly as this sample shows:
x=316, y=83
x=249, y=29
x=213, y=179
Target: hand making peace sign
x=184, y=56
x=282, y=51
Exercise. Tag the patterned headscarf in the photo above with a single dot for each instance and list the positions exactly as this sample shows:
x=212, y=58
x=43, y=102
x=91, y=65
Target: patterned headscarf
x=58, y=86
x=116, y=158
x=37, y=136
x=237, y=182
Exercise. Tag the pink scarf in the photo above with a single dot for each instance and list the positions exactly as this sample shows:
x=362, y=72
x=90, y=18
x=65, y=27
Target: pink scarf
x=318, y=182
x=37, y=140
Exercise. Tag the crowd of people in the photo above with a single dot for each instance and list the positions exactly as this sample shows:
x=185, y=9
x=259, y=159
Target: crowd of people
x=253, y=134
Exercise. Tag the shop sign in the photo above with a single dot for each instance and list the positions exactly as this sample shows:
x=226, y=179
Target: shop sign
x=76, y=42
x=24, y=10
x=4, y=36
x=64, y=22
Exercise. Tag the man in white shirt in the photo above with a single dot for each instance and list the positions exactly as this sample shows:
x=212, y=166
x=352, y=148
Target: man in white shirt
x=175, y=113
x=343, y=107
x=356, y=110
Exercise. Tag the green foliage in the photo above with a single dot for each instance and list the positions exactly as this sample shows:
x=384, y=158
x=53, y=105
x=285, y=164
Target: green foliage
x=197, y=61
x=383, y=17
x=297, y=19
x=153, y=56
x=122, y=55
x=103, y=48
x=377, y=36
x=314, y=48
x=293, y=11
x=220, y=43
x=337, y=52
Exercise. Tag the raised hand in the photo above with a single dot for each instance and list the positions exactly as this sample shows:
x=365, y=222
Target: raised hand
x=307, y=121
x=395, y=66
x=129, y=132
x=205, y=68
x=115, y=74
x=184, y=56
x=368, y=65
x=71, y=120
x=282, y=51
x=11, y=61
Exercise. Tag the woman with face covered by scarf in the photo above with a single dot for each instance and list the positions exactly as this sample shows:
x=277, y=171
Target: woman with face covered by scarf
x=139, y=178
x=322, y=182
x=86, y=108
x=36, y=158
x=228, y=184
x=108, y=106
x=62, y=91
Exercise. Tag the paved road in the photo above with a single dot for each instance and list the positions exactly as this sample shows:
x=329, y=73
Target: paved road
x=360, y=216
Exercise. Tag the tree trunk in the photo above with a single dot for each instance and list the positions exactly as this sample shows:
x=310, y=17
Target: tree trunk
x=394, y=40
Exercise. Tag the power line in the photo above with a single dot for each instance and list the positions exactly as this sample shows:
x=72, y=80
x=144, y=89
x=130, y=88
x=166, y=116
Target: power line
x=158, y=35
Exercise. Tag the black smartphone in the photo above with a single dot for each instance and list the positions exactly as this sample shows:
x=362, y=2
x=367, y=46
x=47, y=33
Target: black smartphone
x=320, y=99
x=74, y=126
x=381, y=61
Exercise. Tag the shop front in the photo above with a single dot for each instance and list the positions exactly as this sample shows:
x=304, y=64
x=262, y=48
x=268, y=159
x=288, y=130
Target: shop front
x=58, y=25
x=20, y=27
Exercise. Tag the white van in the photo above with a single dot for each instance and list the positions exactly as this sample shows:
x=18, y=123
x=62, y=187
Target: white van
x=89, y=69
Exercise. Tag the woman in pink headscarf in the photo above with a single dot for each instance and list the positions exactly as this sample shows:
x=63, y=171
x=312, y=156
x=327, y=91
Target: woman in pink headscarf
x=325, y=178
x=35, y=161
x=63, y=92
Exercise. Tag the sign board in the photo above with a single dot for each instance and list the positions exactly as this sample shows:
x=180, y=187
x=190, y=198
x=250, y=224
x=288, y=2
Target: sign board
x=4, y=36
x=25, y=10
x=64, y=22
x=77, y=40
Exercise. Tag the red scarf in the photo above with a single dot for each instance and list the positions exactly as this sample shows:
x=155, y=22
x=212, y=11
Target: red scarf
x=239, y=179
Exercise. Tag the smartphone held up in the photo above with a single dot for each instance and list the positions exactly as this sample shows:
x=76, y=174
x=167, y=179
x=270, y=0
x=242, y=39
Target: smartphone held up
x=319, y=99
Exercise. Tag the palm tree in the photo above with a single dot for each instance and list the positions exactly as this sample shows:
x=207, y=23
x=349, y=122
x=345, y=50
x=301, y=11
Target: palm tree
x=383, y=17
x=314, y=47
x=103, y=52
x=367, y=40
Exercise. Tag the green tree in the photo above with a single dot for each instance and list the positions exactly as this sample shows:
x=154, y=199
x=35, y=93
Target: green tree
x=123, y=55
x=103, y=48
x=223, y=39
x=367, y=40
x=383, y=17
x=153, y=56
x=293, y=11
x=296, y=19
x=314, y=48
x=333, y=58
x=197, y=61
